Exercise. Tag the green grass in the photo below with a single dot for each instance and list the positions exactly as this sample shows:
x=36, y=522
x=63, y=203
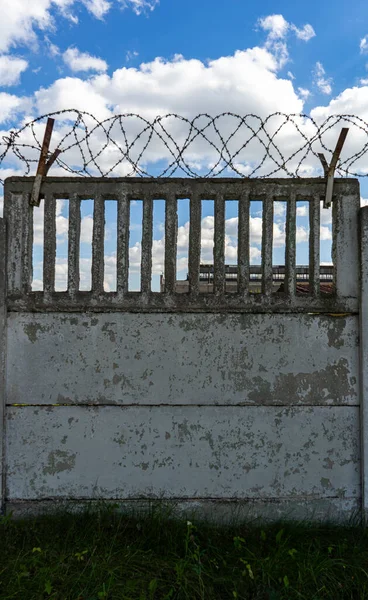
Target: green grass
x=102, y=554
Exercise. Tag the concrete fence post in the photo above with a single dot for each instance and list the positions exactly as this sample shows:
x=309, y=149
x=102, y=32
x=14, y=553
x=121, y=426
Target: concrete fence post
x=2, y=359
x=363, y=316
x=345, y=249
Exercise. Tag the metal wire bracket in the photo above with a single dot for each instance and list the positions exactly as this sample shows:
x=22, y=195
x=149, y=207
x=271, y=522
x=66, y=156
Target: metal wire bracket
x=329, y=170
x=43, y=164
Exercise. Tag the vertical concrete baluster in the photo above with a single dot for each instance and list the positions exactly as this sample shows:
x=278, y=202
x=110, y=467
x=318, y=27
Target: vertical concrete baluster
x=219, y=247
x=28, y=244
x=171, y=232
x=122, y=256
x=290, y=246
x=243, y=245
x=18, y=217
x=74, y=244
x=98, y=239
x=194, y=244
x=314, y=245
x=267, y=239
x=146, y=263
x=49, y=244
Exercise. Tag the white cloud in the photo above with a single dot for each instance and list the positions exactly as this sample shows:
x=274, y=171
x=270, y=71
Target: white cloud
x=305, y=34
x=276, y=25
x=364, y=202
x=364, y=45
x=302, y=234
x=352, y=101
x=321, y=81
x=86, y=229
x=304, y=93
x=139, y=6
x=302, y=211
x=326, y=216
x=53, y=49
x=279, y=209
x=248, y=79
x=98, y=8
x=325, y=233
x=130, y=55
x=364, y=81
x=278, y=28
x=82, y=61
x=24, y=19
x=11, y=69
x=11, y=105
x=289, y=74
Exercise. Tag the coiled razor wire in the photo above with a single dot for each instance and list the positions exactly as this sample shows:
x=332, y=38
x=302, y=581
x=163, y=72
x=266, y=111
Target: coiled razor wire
x=132, y=137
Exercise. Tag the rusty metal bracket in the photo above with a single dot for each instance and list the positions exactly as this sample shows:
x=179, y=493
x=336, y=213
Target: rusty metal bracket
x=329, y=170
x=43, y=164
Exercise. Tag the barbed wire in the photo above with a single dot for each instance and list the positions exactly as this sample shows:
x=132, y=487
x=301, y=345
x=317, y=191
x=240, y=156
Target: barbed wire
x=204, y=146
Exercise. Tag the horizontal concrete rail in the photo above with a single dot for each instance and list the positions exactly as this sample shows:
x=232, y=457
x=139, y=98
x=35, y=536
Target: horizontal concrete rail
x=19, y=217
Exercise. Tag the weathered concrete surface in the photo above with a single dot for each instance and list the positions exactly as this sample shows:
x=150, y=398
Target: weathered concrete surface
x=3, y=315
x=363, y=321
x=345, y=243
x=317, y=510
x=19, y=221
x=182, y=359
x=260, y=408
x=298, y=453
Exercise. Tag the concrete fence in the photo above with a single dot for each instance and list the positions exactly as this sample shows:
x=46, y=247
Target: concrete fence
x=210, y=400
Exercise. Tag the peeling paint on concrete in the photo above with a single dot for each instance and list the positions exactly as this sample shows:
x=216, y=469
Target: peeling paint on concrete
x=32, y=329
x=140, y=359
x=204, y=396
x=239, y=452
x=59, y=461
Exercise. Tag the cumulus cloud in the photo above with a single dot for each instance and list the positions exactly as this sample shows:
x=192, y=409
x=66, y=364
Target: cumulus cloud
x=364, y=45
x=11, y=69
x=82, y=61
x=248, y=79
x=25, y=19
x=11, y=106
x=351, y=101
x=321, y=81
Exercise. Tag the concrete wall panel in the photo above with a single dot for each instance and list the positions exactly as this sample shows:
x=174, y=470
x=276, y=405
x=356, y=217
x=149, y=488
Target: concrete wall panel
x=123, y=358
x=182, y=452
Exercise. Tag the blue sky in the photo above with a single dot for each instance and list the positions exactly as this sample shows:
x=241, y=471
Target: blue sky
x=205, y=30
x=154, y=57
